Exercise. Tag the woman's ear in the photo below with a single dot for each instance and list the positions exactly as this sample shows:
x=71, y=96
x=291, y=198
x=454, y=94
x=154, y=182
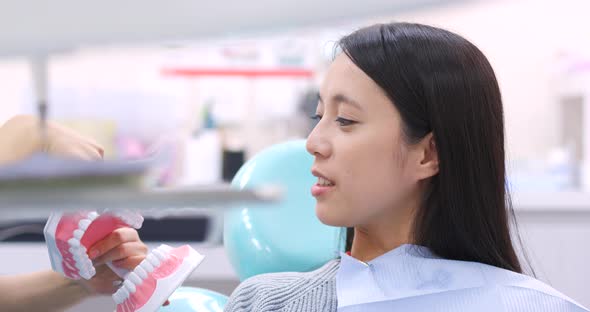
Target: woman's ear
x=427, y=157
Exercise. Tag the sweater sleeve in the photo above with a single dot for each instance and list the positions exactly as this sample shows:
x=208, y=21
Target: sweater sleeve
x=242, y=298
x=264, y=292
x=287, y=291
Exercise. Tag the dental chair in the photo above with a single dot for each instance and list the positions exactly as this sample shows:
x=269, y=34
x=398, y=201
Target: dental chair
x=279, y=237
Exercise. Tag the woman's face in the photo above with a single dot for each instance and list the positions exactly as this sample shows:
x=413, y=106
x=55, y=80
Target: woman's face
x=358, y=149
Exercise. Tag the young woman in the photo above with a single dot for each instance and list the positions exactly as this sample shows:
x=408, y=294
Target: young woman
x=409, y=155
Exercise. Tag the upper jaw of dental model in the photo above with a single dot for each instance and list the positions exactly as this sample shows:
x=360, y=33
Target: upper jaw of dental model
x=83, y=263
x=129, y=217
x=156, y=278
x=79, y=242
x=77, y=248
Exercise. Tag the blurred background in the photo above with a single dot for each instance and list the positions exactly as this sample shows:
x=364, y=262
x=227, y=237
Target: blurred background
x=245, y=76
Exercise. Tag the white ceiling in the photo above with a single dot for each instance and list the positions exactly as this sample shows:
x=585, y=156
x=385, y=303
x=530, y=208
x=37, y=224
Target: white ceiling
x=33, y=26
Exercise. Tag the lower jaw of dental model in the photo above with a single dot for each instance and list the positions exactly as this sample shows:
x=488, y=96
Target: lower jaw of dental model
x=69, y=235
x=153, y=281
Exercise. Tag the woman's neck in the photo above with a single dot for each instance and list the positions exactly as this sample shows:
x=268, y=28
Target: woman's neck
x=368, y=245
x=371, y=241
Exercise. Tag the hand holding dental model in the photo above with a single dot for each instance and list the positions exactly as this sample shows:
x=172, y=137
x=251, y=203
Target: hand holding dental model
x=48, y=290
x=72, y=238
x=76, y=242
x=91, y=253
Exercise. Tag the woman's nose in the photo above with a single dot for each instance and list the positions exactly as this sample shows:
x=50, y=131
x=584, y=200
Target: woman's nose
x=316, y=144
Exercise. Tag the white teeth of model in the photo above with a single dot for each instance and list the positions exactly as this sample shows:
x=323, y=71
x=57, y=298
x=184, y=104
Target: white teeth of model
x=118, y=214
x=83, y=263
x=86, y=274
x=77, y=259
x=129, y=286
x=124, y=293
x=118, y=297
x=134, y=278
x=81, y=270
x=93, y=215
x=80, y=266
x=165, y=248
x=77, y=250
x=140, y=272
x=83, y=224
x=138, y=220
x=153, y=260
x=121, y=294
x=80, y=255
x=124, y=219
x=147, y=266
x=130, y=222
x=78, y=234
x=159, y=254
x=82, y=250
x=74, y=242
x=131, y=218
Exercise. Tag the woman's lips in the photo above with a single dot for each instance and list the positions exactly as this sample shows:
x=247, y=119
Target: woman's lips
x=323, y=185
x=319, y=190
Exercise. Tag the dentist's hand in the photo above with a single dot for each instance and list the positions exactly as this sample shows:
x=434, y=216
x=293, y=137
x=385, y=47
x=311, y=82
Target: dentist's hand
x=20, y=137
x=124, y=249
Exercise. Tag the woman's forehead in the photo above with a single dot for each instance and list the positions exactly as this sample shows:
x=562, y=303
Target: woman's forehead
x=346, y=83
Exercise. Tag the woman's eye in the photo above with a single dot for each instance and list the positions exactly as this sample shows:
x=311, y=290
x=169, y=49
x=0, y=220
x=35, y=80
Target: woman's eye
x=316, y=117
x=345, y=122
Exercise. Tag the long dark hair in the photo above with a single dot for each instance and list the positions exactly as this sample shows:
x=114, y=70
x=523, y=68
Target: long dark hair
x=441, y=83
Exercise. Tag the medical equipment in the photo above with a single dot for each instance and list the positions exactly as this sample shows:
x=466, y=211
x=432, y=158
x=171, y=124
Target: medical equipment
x=69, y=236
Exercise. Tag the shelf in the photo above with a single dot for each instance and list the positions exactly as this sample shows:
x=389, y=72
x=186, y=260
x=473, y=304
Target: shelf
x=35, y=187
x=204, y=200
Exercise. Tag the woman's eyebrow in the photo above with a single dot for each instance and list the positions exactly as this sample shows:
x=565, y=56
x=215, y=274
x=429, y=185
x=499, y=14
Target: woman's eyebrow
x=341, y=98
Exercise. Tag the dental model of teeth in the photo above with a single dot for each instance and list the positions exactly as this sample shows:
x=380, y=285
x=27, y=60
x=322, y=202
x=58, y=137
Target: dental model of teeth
x=69, y=235
x=153, y=281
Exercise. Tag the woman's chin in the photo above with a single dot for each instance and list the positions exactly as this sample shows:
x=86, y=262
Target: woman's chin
x=329, y=216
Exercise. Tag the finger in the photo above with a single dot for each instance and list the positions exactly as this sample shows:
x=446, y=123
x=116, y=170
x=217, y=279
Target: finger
x=122, y=251
x=90, y=151
x=129, y=263
x=74, y=135
x=72, y=138
x=72, y=150
x=116, y=238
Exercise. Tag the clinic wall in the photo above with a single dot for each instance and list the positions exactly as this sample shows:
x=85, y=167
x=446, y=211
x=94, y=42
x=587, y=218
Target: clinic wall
x=521, y=38
x=13, y=75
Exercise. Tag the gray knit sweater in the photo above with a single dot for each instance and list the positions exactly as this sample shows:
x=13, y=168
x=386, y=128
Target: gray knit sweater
x=288, y=292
